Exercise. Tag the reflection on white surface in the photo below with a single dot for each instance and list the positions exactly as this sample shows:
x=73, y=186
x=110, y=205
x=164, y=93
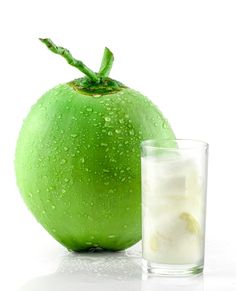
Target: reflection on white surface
x=93, y=271
x=107, y=271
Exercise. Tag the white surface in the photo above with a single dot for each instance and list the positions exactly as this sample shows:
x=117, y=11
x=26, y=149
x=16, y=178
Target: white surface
x=52, y=268
x=182, y=54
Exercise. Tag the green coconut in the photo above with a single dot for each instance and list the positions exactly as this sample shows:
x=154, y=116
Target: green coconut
x=78, y=158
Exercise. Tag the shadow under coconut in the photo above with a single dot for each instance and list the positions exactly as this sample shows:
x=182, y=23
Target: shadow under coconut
x=97, y=270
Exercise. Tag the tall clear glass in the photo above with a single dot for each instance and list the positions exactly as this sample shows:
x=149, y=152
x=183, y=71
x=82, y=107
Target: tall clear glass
x=174, y=182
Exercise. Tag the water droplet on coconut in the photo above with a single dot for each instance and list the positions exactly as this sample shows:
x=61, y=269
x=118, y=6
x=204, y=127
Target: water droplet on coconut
x=121, y=120
x=63, y=191
x=30, y=195
x=88, y=243
x=43, y=212
x=66, y=180
x=164, y=124
x=53, y=207
x=125, y=226
x=109, y=133
x=65, y=148
x=131, y=132
x=82, y=160
x=59, y=116
x=106, y=171
x=73, y=135
x=127, y=208
x=91, y=203
x=107, y=118
x=111, y=236
x=103, y=144
x=110, y=191
x=106, y=183
x=53, y=230
x=63, y=161
x=89, y=109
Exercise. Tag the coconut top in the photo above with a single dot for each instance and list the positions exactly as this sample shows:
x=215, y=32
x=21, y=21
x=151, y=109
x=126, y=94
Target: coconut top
x=92, y=83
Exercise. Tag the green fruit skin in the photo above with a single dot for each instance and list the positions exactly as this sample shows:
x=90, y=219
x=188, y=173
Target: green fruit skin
x=78, y=165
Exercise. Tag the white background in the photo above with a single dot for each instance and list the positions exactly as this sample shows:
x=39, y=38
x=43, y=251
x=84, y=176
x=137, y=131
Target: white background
x=182, y=54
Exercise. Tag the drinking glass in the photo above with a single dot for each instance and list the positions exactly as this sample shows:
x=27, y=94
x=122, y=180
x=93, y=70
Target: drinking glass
x=174, y=181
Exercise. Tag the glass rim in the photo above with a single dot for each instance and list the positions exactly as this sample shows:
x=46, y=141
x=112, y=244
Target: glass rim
x=193, y=144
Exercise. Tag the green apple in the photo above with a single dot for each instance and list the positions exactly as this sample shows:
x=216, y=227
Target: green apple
x=78, y=158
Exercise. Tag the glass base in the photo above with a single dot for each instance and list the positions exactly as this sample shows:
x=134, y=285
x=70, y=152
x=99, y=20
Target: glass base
x=171, y=270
